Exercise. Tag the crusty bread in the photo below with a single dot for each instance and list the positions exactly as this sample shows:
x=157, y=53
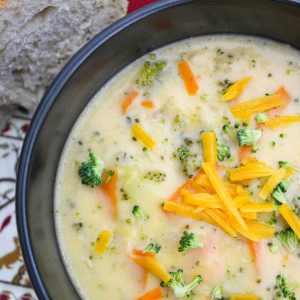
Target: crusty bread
x=37, y=37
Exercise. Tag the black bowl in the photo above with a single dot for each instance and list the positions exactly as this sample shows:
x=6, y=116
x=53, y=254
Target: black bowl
x=147, y=29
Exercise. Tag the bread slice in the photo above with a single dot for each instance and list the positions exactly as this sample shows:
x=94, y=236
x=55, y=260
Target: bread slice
x=37, y=37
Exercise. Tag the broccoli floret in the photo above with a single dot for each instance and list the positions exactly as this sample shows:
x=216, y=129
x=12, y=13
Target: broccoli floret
x=261, y=118
x=91, y=170
x=278, y=195
x=278, y=192
x=283, y=185
x=288, y=239
x=217, y=292
x=189, y=241
x=137, y=212
x=177, y=284
x=184, y=153
x=152, y=247
x=247, y=137
x=223, y=151
x=188, y=160
x=286, y=291
x=149, y=71
x=285, y=164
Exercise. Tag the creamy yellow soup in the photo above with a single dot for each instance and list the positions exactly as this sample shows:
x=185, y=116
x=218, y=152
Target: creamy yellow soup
x=197, y=176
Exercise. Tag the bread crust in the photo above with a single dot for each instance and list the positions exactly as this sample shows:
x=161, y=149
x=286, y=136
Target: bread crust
x=38, y=37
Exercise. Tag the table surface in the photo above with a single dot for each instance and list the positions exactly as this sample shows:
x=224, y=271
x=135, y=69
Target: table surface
x=14, y=280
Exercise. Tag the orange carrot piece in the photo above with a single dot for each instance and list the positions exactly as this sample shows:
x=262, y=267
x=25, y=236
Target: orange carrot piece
x=244, y=152
x=148, y=104
x=144, y=278
x=128, y=101
x=110, y=189
x=140, y=252
x=154, y=294
x=253, y=250
x=151, y=264
x=283, y=94
x=188, y=77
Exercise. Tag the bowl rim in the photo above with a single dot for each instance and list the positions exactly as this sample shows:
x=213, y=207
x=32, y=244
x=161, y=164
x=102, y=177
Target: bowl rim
x=41, y=112
x=37, y=121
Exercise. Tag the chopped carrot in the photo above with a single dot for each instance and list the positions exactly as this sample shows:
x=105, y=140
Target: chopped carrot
x=131, y=96
x=271, y=183
x=244, y=152
x=140, y=252
x=291, y=218
x=154, y=294
x=188, y=77
x=151, y=264
x=235, y=90
x=142, y=136
x=209, y=142
x=148, y=104
x=103, y=241
x=282, y=121
x=110, y=189
x=244, y=110
x=144, y=278
x=254, y=253
x=222, y=192
x=283, y=94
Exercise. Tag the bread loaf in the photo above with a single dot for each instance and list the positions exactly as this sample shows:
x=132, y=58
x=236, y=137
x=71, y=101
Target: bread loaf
x=37, y=37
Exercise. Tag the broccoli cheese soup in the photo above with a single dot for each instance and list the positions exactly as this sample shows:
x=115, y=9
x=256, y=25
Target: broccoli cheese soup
x=181, y=178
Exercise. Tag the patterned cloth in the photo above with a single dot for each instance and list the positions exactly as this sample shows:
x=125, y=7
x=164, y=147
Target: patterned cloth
x=14, y=280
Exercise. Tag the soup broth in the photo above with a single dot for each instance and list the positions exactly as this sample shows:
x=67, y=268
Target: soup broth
x=187, y=160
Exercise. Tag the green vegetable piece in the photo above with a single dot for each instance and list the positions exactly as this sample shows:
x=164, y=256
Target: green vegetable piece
x=184, y=153
x=272, y=247
x=223, y=151
x=177, y=284
x=155, y=176
x=91, y=171
x=137, y=212
x=149, y=72
x=248, y=137
x=278, y=192
x=286, y=291
x=205, y=97
x=261, y=118
x=188, y=160
x=283, y=185
x=285, y=164
x=189, y=241
x=217, y=292
x=152, y=247
x=288, y=239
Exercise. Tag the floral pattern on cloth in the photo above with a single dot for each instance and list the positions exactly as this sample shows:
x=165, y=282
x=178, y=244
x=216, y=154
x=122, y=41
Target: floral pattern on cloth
x=14, y=280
